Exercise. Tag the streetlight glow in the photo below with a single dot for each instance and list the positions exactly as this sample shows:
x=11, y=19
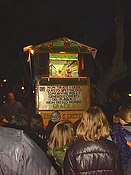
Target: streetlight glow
x=4, y=80
x=22, y=87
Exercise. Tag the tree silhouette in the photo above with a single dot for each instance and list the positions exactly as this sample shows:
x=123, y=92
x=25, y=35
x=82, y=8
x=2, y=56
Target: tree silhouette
x=118, y=68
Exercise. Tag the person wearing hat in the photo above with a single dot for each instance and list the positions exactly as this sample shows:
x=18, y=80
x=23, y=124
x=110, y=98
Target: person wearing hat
x=54, y=119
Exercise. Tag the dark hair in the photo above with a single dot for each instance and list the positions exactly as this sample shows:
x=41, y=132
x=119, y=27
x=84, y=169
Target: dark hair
x=123, y=114
x=36, y=121
x=19, y=122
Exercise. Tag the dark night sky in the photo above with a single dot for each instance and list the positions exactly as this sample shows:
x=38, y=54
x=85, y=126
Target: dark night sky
x=25, y=22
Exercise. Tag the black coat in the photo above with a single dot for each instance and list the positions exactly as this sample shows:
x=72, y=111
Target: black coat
x=38, y=135
x=92, y=158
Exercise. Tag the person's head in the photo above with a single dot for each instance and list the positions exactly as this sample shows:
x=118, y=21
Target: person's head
x=20, y=121
x=93, y=125
x=11, y=96
x=36, y=122
x=55, y=117
x=123, y=115
x=61, y=135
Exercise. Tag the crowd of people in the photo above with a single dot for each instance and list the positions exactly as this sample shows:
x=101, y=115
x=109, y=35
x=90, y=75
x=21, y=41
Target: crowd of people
x=92, y=145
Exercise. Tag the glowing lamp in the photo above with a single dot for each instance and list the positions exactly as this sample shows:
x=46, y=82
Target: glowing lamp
x=22, y=87
x=4, y=80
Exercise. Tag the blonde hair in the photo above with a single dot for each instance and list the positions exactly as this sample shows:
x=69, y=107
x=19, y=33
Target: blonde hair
x=123, y=116
x=61, y=135
x=93, y=125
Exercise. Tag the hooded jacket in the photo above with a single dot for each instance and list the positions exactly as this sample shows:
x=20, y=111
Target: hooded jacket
x=92, y=158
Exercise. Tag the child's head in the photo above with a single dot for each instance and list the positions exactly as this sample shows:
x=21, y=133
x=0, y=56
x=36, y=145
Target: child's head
x=36, y=122
x=93, y=125
x=61, y=135
x=123, y=116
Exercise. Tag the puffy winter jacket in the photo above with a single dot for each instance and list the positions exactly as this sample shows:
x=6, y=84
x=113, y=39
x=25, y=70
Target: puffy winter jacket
x=20, y=155
x=92, y=158
x=120, y=135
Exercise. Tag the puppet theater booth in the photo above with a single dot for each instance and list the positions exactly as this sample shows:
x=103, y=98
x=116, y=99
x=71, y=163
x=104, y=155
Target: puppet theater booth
x=61, y=82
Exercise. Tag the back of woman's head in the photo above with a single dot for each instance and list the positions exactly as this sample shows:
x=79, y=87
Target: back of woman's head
x=61, y=135
x=123, y=115
x=93, y=125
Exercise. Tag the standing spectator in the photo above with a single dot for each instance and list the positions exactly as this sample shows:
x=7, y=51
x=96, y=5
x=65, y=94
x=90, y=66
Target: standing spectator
x=92, y=153
x=54, y=119
x=60, y=139
x=20, y=155
x=121, y=134
x=37, y=132
x=12, y=109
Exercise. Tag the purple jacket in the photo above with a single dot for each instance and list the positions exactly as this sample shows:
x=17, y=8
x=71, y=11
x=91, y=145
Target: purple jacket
x=120, y=136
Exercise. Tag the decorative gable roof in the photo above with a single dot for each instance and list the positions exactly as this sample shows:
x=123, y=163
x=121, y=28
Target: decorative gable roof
x=63, y=44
